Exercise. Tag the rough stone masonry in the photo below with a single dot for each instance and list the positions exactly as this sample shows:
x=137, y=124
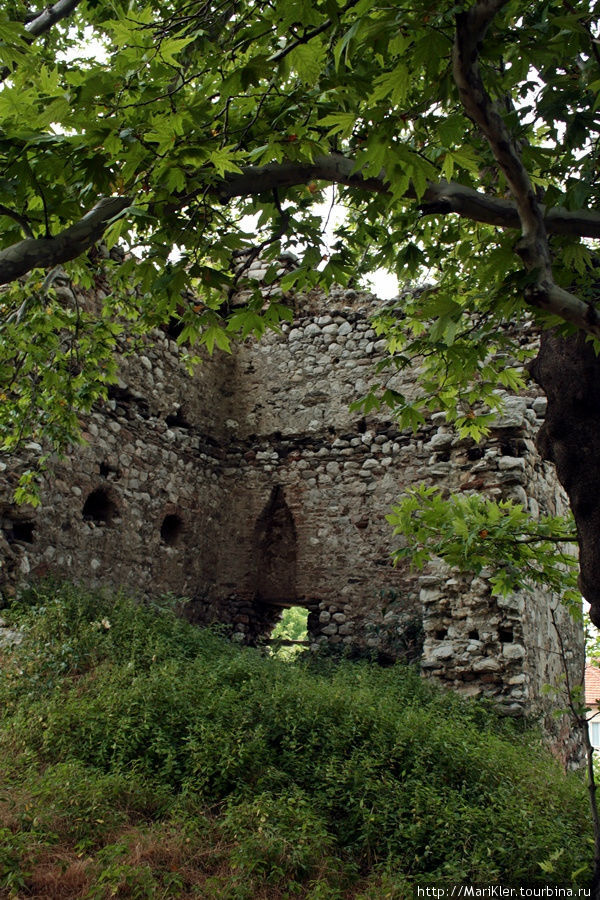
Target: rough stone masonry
x=251, y=486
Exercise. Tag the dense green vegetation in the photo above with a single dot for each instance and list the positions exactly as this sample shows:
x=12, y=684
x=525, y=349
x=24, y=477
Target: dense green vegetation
x=148, y=758
x=291, y=627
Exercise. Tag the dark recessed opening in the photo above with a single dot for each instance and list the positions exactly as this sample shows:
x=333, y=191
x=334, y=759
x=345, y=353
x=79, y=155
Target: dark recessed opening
x=121, y=395
x=22, y=530
x=474, y=453
x=174, y=327
x=171, y=529
x=361, y=426
x=441, y=633
x=444, y=456
x=474, y=634
x=505, y=635
x=107, y=471
x=177, y=420
x=275, y=551
x=99, y=507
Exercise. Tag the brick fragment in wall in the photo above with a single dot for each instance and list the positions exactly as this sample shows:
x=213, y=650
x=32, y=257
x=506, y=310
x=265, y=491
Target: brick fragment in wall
x=252, y=486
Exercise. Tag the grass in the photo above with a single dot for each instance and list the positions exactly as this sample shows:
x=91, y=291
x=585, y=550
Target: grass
x=146, y=758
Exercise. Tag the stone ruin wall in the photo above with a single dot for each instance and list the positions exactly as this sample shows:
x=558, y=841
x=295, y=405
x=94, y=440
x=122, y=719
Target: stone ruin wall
x=252, y=486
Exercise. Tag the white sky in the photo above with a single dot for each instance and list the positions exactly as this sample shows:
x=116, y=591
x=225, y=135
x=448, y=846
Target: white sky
x=382, y=283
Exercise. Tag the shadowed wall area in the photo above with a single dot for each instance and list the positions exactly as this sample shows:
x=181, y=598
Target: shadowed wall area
x=275, y=543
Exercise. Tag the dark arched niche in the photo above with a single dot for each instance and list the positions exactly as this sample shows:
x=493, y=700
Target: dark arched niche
x=100, y=507
x=275, y=552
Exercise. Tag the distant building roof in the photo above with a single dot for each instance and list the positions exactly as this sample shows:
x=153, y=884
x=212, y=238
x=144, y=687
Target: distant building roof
x=592, y=686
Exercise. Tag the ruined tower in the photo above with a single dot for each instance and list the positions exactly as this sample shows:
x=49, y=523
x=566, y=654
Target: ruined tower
x=251, y=486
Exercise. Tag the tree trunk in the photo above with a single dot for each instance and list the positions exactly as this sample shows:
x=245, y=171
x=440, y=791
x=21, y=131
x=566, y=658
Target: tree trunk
x=568, y=371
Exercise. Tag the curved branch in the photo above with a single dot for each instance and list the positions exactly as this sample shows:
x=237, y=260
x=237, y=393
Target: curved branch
x=334, y=168
x=533, y=248
x=23, y=221
x=34, y=253
x=50, y=16
x=442, y=198
x=471, y=28
x=439, y=199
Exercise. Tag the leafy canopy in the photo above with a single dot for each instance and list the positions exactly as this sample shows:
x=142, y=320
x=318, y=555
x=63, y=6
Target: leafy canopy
x=214, y=128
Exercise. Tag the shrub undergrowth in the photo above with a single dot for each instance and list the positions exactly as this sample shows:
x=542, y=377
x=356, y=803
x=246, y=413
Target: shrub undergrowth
x=148, y=758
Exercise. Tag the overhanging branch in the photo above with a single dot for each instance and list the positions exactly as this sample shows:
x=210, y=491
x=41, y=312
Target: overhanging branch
x=442, y=198
x=439, y=199
x=533, y=248
x=50, y=16
x=44, y=253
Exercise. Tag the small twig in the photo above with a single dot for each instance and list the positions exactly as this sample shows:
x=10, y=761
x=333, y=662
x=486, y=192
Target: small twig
x=309, y=35
x=556, y=539
x=304, y=39
x=23, y=221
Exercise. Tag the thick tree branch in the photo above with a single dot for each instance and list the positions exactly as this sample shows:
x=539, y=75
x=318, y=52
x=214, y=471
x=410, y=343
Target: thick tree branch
x=50, y=16
x=470, y=31
x=70, y=243
x=439, y=199
x=334, y=168
x=44, y=22
x=533, y=248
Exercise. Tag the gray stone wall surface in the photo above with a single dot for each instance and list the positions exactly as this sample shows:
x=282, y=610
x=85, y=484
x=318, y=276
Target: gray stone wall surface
x=251, y=486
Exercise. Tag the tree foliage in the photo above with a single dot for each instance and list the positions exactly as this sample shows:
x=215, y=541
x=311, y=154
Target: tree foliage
x=473, y=534
x=446, y=130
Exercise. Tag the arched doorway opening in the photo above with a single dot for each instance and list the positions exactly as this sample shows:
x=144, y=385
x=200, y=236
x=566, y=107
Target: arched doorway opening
x=275, y=552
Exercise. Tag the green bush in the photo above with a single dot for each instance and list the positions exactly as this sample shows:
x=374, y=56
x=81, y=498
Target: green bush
x=318, y=772
x=279, y=835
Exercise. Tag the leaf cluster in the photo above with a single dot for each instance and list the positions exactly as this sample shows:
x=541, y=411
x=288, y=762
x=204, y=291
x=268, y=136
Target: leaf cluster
x=474, y=533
